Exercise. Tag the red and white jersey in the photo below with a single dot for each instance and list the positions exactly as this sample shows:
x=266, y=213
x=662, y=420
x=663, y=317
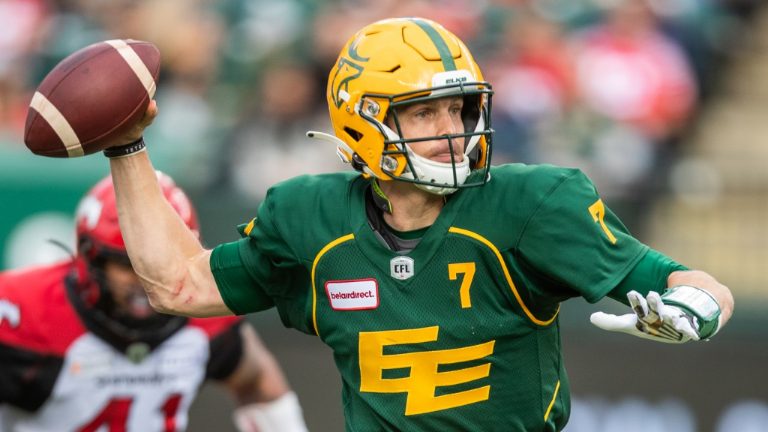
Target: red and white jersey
x=55, y=375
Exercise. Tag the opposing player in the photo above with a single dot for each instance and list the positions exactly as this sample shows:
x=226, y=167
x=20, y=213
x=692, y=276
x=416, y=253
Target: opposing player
x=82, y=350
x=434, y=277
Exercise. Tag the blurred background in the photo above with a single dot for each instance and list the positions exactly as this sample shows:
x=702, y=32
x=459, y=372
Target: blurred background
x=664, y=103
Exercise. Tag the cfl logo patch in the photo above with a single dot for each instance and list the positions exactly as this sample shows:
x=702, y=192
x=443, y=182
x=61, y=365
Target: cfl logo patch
x=401, y=268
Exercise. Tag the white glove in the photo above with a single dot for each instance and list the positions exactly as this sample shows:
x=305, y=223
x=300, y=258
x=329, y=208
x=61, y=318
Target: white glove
x=652, y=319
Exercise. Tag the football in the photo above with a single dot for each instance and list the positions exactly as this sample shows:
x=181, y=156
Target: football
x=91, y=98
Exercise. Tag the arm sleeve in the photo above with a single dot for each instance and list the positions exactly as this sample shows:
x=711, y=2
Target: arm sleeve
x=244, y=270
x=239, y=289
x=261, y=269
x=574, y=239
x=650, y=274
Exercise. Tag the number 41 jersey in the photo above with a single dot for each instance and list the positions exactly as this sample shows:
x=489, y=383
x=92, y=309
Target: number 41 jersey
x=56, y=375
x=461, y=333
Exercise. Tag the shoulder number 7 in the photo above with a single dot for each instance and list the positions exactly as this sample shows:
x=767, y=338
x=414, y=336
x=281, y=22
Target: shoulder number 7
x=468, y=269
x=597, y=210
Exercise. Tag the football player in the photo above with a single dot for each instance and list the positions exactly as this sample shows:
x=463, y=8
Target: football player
x=435, y=278
x=82, y=350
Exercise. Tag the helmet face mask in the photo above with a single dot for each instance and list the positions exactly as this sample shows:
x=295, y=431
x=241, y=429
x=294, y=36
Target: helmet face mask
x=129, y=301
x=121, y=306
x=394, y=63
x=399, y=160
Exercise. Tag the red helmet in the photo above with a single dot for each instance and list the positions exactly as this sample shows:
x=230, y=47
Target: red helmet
x=98, y=230
x=98, y=241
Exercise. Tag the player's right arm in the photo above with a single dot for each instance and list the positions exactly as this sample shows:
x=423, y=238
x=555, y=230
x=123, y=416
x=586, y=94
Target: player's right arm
x=168, y=257
x=621, y=267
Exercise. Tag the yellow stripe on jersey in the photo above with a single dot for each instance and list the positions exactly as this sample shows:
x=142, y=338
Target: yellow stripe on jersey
x=552, y=403
x=507, y=276
x=249, y=228
x=320, y=254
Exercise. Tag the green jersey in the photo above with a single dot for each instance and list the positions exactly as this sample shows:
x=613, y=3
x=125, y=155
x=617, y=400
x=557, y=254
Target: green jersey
x=460, y=333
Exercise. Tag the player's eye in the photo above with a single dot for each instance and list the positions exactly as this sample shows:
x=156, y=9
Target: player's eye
x=423, y=113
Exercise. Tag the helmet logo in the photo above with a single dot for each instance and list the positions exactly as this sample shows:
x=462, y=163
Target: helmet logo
x=10, y=313
x=346, y=71
x=90, y=211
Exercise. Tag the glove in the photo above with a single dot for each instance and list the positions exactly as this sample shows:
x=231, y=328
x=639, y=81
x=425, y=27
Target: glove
x=652, y=319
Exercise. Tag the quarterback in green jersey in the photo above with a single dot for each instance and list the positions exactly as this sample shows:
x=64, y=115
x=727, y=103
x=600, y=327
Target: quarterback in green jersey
x=435, y=278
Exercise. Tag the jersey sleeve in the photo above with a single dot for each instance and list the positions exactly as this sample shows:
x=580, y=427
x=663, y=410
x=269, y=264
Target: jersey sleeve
x=27, y=377
x=575, y=239
x=650, y=274
x=240, y=289
x=33, y=334
x=226, y=353
x=261, y=270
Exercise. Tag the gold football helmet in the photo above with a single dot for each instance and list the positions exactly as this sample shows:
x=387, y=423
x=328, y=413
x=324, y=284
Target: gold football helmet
x=395, y=62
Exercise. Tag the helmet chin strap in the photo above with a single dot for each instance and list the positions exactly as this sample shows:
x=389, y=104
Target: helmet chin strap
x=438, y=173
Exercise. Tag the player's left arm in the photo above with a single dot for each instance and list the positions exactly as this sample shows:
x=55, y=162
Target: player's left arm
x=670, y=303
x=265, y=401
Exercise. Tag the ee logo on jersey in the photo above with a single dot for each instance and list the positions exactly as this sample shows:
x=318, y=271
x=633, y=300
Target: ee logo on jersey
x=425, y=375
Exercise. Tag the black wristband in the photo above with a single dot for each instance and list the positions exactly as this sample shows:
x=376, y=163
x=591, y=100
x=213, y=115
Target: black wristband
x=125, y=150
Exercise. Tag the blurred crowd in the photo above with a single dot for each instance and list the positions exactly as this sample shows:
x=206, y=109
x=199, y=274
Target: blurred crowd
x=609, y=86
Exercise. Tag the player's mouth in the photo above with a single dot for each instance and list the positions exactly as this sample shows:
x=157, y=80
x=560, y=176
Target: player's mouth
x=445, y=157
x=137, y=305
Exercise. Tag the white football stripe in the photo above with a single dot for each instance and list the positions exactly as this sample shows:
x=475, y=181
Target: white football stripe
x=58, y=123
x=136, y=64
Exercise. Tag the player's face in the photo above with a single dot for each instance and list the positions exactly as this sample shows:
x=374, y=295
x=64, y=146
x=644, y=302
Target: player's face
x=433, y=118
x=127, y=292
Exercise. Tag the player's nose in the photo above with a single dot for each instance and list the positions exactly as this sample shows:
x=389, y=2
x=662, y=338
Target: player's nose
x=446, y=124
